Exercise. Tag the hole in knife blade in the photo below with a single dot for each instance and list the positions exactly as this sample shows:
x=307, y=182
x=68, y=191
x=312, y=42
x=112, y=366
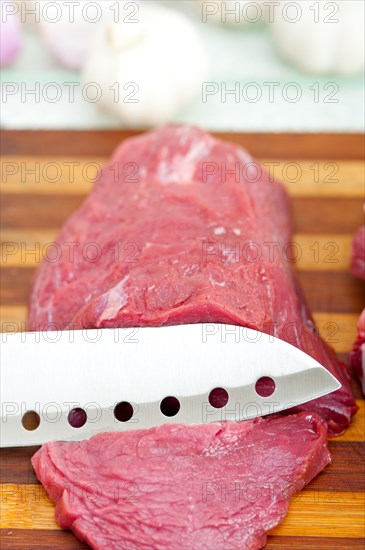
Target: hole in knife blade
x=77, y=417
x=31, y=420
x=265, y=386
x=123, y=411
x=218, y=398
x=170, y=406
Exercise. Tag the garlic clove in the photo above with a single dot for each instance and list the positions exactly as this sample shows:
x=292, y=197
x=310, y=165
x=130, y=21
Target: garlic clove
x=122, y=36
x=156, y=65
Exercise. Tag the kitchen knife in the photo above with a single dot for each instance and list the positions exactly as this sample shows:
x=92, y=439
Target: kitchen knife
x=78, y=383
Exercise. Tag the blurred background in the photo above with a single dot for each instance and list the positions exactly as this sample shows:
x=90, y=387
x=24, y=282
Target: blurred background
x=230, y=66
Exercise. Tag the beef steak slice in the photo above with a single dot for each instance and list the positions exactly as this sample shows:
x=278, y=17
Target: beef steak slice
x=218, y=485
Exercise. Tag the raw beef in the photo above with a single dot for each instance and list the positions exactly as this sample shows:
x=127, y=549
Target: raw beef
x=357, y=354
x=214, y=486
x=358, y=254
x=358, y=270
x=184, y=228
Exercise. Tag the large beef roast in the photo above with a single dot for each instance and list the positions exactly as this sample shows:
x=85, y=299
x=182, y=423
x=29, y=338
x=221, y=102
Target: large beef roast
x=215, y=486
x=183, y=228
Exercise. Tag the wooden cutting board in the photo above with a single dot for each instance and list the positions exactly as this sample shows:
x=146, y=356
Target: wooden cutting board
x=325, y=177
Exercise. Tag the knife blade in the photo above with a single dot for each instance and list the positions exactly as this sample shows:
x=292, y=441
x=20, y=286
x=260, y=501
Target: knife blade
x=78, y=383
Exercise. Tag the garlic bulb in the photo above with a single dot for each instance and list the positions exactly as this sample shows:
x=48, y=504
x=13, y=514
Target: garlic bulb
x=147, y=70
x=321, y=37
x=10, y=36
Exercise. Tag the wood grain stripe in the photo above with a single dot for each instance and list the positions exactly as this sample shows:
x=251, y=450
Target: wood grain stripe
x=37, y=212
x=338, y=477
x=16, y=286
x=320, y=179
x=28, y=539
x=321, y=215
x=337, y=329
x=330, y=252
x=319, y=543
x=25, y=507
x=320, y=514
x=64, y=175
x=335, y=292
x=15, y=465
x=311, y=513
x=27, y=248
x=17, y=315
x=332, y=292
x=87, y=143
x=50, y=175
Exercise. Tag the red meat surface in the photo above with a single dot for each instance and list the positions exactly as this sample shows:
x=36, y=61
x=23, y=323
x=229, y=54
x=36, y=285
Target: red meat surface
x=358, y=270
x=218, y=485
x=183, y=228
x=358, y=254
x=358, y=352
